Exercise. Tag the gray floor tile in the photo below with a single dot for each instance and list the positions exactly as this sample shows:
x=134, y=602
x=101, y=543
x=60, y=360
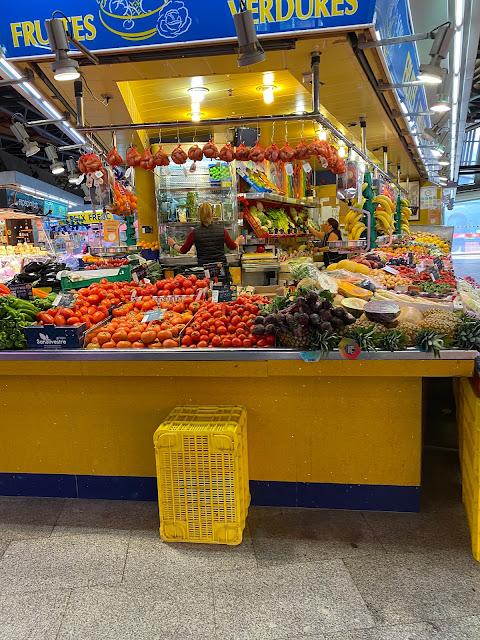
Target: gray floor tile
x=179, y=610
x=28, y=517
x=459, y=629
x=439, y=529
x=91, y=516
x=275, y=603
x=306, y=535
x=402, y=588
x=32, y=616
x=62, y=562
x=150, y=559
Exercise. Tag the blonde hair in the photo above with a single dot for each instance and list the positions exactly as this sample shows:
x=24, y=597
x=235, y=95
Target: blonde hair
x=205, y=213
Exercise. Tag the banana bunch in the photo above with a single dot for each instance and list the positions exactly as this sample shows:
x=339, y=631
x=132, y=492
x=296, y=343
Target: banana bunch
x=385, y=214
x=406, y=213
x=353, y=221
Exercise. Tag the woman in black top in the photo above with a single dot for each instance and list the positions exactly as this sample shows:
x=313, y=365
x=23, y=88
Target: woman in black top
x=330, y=233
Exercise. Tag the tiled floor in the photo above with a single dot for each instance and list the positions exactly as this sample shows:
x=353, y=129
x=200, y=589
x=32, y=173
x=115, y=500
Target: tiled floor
x=96, y=570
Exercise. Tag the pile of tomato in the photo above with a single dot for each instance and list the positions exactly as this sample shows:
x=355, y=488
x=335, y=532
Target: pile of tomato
x=226, y=324
x=180, y=286
x=129, y=331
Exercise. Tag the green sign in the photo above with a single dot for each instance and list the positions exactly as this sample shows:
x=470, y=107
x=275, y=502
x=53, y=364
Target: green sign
x=54, y=209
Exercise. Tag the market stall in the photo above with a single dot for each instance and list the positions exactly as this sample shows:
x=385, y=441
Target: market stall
x=329, y=362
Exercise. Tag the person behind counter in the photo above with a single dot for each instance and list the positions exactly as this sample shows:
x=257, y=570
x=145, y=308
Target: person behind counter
x=209, y=239
x=330, y=233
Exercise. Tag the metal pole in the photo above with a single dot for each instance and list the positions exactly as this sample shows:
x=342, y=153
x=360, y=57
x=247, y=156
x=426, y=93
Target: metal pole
x=398, y=173
x=78, y=88
x=385, y=158
x=315, y=65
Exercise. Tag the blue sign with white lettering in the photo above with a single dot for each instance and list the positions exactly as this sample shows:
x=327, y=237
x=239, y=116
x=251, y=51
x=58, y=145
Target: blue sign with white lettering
x=123, y=24
x=392, y=19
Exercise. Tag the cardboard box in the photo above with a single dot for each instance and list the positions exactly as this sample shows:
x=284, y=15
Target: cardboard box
x=270, y=291
x=50, y=336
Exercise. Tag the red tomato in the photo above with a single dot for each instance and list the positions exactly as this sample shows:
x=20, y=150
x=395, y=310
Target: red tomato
x=59, y=320
x=226, y=342
x=247, y=343
x=73, y=320
x=221, y=330
x=202, y=344
x=236, y=342
x=216, y=341
x=98, y=316
x=195, y=335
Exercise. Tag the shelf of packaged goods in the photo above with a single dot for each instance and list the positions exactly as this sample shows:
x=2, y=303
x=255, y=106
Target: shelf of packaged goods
x=280, y=199
x=198, y=355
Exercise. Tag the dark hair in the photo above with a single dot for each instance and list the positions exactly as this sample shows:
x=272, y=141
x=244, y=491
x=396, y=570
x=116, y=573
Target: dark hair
x=333, y=223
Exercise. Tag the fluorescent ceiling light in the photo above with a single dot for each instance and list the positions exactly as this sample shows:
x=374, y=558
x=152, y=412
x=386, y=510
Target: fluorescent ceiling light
x=51, y=109
x=403, y=107
x=444, y=162
x=441, y=105
x=31, y=89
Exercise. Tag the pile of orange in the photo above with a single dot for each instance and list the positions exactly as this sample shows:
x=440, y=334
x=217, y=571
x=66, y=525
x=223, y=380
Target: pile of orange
x=124, y=201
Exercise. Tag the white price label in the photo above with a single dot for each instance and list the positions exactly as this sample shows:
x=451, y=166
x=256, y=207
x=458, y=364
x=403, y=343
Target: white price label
x=289, y=169
x=156, y=314
x=390, y=270
x=307, y=167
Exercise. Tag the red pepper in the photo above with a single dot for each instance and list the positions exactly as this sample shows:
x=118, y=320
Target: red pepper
x=4, y=290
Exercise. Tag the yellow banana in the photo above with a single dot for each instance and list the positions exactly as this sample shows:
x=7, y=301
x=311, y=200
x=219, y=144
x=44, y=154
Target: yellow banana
x=385, y=219
x=351, y=216
x=385, y=202
x=358, y=232
x=404, y=203
x=407, y=211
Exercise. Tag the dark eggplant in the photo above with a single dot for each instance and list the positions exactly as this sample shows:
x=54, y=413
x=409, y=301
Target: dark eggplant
x=258, y=330
x=270, y=329
x=326, y=326
x=315, y=319
x=33, y=267
x=337, y=323
x=24, y=278
x=348, y=318
x=259, y=320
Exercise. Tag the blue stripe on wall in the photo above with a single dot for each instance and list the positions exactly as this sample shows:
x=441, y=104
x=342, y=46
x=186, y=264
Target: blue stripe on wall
x=279, y=494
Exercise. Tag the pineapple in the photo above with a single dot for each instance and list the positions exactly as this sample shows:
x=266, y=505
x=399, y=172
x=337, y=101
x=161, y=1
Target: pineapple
x=410, y=331
x=428, y=340
x=442, y=322
x=365, y=337
x=467, y=334
x=392, y=340
x=365, y=323
x=324, y=341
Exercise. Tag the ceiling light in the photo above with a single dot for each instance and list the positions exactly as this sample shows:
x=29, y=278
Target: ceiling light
x=322, y=134
x=250, y=50
x=73, y=174
x=430, y=74
x=441, y=105
x=444, y=162
x=64, y=68
x=30, y=147
x=342, y=150
x=433, y=73
x=56, y=167
x=436, y=152
x=268, y=93
x=198, y=93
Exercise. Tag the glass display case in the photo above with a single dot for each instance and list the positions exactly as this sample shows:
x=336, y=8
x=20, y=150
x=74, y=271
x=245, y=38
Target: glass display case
x=180, y=189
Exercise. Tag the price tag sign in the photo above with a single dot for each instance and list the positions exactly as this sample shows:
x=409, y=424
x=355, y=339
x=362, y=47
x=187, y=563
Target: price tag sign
x=434, y=274
x=155, y=314
x=391, y=270
x=223, y=293
x=307, y=167
x=21, y=290
x=64, y=300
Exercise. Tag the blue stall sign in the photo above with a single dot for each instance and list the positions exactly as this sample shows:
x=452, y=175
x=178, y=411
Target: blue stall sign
x=23, y=202
x=55, y=209
x=104, y=25
x=392, y=19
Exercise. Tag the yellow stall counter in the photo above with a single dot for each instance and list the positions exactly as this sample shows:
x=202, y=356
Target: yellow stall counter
x=333, y=433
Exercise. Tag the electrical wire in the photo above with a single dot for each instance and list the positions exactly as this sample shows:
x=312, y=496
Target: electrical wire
x=104, y=103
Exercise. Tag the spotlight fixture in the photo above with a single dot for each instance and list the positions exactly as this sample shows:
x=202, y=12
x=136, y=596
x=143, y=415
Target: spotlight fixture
x=441, y=105
x=30, y=147
x=56, y=167
x=73, y=175
x=64, y=67
x=250, y=51
x=195, y=113
x=444, y=162
x=433, y=73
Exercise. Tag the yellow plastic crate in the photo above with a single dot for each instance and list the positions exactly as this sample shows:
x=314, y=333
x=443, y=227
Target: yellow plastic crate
x=202, y=474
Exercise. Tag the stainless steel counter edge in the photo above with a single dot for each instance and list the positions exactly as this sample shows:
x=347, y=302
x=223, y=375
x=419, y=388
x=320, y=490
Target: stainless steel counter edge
x=218, y=355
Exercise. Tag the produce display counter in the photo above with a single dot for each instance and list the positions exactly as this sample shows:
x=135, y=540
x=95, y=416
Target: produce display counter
x=332, y=433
